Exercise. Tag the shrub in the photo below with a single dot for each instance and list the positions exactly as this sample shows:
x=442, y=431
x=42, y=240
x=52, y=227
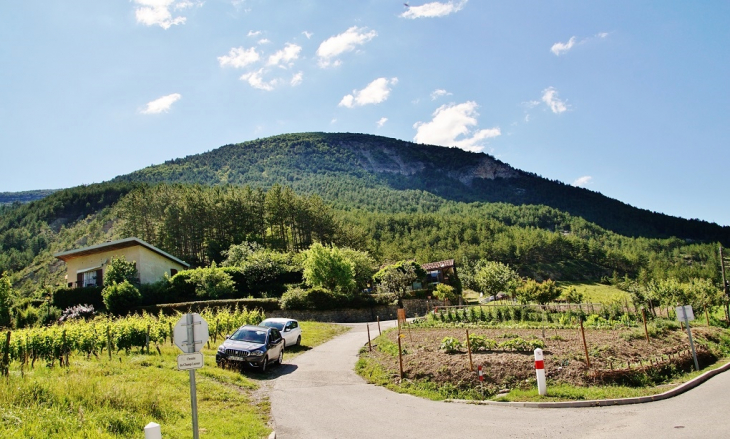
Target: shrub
x=312, y=299
x=66, y=297
x=211, y=282
x=444, y=292
x=120, y=298
x=77, y=312
x=450, y=345
x=119, y=270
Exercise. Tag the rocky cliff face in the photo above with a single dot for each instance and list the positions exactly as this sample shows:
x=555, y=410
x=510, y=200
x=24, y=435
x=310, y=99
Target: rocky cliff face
x=388, y=159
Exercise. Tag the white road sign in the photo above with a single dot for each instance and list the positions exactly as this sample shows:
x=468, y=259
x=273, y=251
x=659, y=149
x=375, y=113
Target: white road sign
x=200, y=333
x=190, y=361
x=680, y=310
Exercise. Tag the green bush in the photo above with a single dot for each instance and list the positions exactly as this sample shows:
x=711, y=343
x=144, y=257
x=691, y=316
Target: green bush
x=67, y=297
x=313, y=299
x=120, y=298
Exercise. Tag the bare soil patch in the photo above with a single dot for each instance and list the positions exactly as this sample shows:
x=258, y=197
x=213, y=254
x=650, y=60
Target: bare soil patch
x=615, y=357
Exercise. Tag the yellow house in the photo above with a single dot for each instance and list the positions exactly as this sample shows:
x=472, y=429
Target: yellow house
x=86, y=266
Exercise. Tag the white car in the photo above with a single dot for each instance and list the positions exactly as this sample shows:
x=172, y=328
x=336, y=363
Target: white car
x=289, y=328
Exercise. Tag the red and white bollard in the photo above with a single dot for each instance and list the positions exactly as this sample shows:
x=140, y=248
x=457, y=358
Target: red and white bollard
x=540, y=370
x=481, y=374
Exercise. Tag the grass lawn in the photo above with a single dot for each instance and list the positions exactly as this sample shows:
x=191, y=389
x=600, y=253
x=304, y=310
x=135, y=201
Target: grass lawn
x=597, y=292
x=99, y=398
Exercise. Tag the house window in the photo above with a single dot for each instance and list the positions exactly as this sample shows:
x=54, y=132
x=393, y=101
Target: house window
x=89, y=279
x=173, y=272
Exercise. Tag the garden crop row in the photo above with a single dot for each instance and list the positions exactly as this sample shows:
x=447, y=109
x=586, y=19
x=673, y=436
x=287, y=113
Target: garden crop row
x=92, y=337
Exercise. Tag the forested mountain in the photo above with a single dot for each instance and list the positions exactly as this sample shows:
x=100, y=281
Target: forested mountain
x=393, y=199
x=361, y=170
x=24, y=196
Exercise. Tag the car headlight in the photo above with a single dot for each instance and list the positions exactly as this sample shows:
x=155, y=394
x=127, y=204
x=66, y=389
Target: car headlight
x=257, y=353
x=222, y=349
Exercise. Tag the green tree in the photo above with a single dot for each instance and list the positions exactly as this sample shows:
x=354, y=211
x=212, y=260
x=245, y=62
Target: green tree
x=444, y=292
x=495, y=277
x=327, y=267
x=119, y=270
x=6, y=295
x=547, y=292
x=572, y=295
x=238, y=254
x=527, y=291
x=211, y=282
x=397, y=282
x=120, y=297
x=363, y=266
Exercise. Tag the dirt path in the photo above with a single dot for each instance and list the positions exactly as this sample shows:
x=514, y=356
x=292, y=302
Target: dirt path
x=319, y=396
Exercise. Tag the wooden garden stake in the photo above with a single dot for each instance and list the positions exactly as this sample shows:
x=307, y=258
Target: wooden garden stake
x=147, y=339
x=707, y=316
x=585, y=346
x=379, y=333
x=400, y=357
x=6, y=354
x=468, y=348
x=370, y=346
x=109, y=341
x=172, y=342
x=643, y=316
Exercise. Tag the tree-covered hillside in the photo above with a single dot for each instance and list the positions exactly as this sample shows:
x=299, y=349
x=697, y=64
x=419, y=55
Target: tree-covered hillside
x=359, y=170
x=393, y=199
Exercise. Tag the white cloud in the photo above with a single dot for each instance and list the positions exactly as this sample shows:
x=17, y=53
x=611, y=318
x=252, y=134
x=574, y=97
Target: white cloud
x=263, y=41
x=239, y=57
x=297, y=79
x=253, y=33
x=161, y=105
x=255, y=80
x=582, y=181
x=531, y=104
x=561, y=48
x=433, y=9
x=333, y=121
x=285, y=56
x=375, y=93
x=307, y=34
x=438, y=93
x=602, y=34
x=381, y=122
x=344, y=42
x=452, y=121
x=550, y=97
x=157, y=12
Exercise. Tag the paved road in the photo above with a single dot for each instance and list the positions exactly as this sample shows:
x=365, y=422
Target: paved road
x=319, y=396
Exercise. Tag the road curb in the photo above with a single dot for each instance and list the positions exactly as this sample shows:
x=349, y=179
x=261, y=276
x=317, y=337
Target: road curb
x=691, y=384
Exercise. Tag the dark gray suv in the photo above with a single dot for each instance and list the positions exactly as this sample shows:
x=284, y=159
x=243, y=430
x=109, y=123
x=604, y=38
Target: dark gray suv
x=255, y=346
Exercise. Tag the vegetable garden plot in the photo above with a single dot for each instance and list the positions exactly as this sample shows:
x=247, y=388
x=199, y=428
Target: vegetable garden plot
x=439, y=356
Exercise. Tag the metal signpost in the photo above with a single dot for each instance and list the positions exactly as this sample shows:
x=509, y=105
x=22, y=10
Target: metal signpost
x=190, y=334
x=685, y=314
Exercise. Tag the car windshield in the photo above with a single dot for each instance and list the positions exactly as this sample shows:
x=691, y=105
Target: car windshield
x=270, y=324
x=250, y=335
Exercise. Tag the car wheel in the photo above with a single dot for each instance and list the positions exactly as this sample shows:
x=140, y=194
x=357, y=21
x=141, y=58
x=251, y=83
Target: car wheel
x=280, y=360
x=299, y=341
x=264, y=363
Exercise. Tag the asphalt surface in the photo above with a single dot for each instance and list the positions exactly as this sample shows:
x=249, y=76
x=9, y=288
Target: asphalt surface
x=318, y=395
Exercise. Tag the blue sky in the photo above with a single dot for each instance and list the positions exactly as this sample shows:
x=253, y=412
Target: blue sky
x=628, y=98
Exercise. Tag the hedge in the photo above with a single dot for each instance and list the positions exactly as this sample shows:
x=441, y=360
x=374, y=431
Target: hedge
x=171, y=308
x=66, y=297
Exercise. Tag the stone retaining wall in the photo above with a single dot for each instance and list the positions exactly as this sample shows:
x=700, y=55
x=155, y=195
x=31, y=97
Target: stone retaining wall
x=414, y=308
